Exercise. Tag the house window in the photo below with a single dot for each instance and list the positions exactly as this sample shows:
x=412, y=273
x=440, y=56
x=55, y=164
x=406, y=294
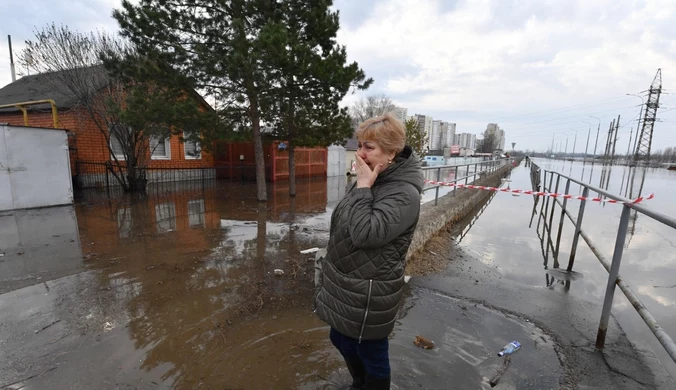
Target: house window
x=196, y=213
x=116, y=132
x=160, y=149
x=192, y=148
x=165, y=217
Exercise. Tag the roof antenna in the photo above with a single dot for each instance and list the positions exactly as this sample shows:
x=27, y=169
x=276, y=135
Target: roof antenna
x=11, y=58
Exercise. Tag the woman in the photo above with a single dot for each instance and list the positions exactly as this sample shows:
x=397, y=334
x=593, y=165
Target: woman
x=371, y=230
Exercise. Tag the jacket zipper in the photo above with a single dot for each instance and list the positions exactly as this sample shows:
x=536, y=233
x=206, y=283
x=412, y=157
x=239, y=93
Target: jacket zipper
x=366, y=313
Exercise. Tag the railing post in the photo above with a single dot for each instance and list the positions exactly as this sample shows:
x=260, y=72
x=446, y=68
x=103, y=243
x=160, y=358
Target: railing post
x=612, y=278
x=436, y=195
x=551, y=216
x=543, y=184
x=455, y=180
x=467, y=175
x=546, y=201
x=578, y=226
x=563, y=215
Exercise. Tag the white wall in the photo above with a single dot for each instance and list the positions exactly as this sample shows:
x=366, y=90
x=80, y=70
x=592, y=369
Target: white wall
x=34, y=168
x=336, y=161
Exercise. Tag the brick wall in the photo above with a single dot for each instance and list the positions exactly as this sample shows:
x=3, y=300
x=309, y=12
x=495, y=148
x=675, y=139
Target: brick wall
x=88, y=143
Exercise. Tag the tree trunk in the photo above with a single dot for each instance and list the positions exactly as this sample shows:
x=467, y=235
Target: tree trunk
x=259, y=154
x=136, y=179
x=292, y=167
x=261, y=241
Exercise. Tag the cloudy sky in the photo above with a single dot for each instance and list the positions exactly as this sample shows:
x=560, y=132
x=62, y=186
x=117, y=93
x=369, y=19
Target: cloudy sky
x=539, y=68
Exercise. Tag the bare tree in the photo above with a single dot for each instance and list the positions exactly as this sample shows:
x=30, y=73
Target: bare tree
x=128, y=114
x=372, y=105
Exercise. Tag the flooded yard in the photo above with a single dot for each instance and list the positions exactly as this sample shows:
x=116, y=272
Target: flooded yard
x=176, y=288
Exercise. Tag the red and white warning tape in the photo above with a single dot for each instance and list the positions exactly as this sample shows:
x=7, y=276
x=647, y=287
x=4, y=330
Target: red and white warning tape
x=537, y=193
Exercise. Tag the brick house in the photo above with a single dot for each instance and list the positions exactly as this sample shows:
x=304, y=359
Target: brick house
x=87, y=142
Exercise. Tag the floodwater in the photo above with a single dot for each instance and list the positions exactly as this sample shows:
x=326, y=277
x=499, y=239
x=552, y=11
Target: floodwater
x=173, y=289
x=509, y=232
x=177, y=289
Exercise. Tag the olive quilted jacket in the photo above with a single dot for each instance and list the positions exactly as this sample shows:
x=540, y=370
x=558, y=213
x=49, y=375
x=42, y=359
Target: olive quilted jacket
x=363, y=271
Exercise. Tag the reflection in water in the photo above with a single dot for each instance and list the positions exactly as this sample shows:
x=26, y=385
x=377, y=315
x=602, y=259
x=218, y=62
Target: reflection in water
x=629, y=187
x=475, y=214
x=633, y=217
x=37, y=246
x=468, y=222
x=201, y=261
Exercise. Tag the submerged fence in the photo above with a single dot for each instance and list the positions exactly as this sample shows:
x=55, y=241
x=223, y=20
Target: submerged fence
x=549, y=182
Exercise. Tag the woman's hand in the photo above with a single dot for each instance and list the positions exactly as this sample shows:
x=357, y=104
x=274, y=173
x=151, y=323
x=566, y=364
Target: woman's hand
x=365, y=176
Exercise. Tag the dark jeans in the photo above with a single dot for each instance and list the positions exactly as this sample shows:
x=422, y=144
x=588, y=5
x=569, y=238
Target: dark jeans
x=373, y=354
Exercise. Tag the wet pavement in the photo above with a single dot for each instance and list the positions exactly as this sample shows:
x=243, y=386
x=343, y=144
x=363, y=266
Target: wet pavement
x=519, y=246
x=516, y=246
x=177, y=290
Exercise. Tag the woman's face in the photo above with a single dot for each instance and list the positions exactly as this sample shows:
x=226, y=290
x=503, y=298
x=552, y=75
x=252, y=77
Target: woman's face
x=373, y=154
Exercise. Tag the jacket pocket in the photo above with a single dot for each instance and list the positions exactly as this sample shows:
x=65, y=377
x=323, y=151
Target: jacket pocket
x=366, y=312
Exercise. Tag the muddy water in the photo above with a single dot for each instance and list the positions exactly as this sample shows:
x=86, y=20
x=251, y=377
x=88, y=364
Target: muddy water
x=175, y=289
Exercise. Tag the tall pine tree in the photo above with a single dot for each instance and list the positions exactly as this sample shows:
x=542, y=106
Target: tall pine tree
x=312, y=76
x=220, y=46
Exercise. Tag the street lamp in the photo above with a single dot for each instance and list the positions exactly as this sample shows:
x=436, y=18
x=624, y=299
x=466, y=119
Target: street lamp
x=638, y=125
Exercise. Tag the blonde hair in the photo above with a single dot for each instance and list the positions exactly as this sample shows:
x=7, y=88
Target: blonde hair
x=386, y=130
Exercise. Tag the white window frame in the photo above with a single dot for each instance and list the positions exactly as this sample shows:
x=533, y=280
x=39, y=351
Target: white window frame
x=196, y=219
x=167, y=149
x=197, y=148
x=114, y=156
x=165, y=217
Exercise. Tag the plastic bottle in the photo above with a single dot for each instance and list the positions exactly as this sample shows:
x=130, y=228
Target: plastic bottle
x=510, y=348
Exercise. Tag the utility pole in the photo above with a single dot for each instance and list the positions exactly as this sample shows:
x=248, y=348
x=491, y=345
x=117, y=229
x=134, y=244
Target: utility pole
x=598, y=130
x=631, y=133
x=638, y=125
x=609, y=141
x=566, y=151
x=645, y=138
x=586, y=149
x=617, y=129
x=11, y=58
x=552, y=149
x=574, y=143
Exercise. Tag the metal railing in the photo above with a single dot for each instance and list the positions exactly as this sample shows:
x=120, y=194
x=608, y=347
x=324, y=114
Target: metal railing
x=103, y=174
x=471, y=170
x=613, y=267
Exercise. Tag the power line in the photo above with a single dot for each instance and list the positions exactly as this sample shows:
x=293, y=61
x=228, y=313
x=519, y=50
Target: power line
x=562, y=109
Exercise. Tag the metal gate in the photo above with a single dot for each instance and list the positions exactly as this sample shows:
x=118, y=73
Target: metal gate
x=34, y=168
